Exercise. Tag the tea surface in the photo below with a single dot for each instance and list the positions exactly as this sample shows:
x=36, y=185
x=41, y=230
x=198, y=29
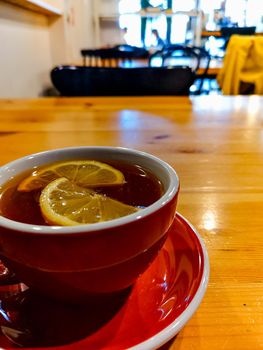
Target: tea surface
x=141, y=188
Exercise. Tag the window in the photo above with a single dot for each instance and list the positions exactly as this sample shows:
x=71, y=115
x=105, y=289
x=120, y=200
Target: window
x=180, y=28
x=139, y=28
x=239, y=12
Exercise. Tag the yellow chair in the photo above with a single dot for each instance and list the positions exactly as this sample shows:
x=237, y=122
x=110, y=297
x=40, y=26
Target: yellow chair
x=243, y=63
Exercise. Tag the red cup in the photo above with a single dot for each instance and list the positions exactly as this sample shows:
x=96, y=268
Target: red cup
x=75, y=262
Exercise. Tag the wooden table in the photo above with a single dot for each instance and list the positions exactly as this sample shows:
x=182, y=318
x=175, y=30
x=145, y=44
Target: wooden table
x=215, y=143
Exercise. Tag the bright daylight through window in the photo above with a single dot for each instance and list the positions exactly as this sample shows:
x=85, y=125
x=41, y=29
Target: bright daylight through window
x=179, y=28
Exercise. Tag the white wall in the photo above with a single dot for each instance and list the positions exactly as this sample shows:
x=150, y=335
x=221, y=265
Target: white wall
x=72, y=32
x=59, y=4
x=109, y=31
x=58, y=43
x=109, y=6
x=25, y=58
x=79, y=29
x=32, y=44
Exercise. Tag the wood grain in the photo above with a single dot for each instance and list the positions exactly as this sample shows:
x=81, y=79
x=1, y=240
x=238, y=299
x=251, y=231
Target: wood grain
x=215, y=143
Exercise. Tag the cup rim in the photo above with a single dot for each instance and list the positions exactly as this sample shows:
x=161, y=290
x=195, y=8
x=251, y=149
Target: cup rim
x=170, y=193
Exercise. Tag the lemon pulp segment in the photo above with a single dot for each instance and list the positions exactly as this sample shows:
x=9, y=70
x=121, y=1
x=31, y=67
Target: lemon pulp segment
x=86, y=173
x=65, y=203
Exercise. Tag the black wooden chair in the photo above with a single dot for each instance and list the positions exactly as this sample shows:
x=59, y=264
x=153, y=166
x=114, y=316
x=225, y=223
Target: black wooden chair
x=184, y=56
x=226, y=32
x=108, y=81
x=176, y=56
x=112, y=57
x=205, y=59
x=90, y=57
x=137, y=52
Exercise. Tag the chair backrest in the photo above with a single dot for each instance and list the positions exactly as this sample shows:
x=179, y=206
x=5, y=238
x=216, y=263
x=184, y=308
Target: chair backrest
x=177, y=56
x=226, y=32
x=107, y=81
x=205, y=59
x=112, y=57
x=135, y=52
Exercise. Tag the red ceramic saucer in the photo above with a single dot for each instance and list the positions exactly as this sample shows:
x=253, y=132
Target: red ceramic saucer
x=144, y=317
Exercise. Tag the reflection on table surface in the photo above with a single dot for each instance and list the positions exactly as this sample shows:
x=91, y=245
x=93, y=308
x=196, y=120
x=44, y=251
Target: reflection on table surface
x=215, y=144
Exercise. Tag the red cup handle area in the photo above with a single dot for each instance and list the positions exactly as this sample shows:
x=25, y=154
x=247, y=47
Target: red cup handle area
x=7, y=277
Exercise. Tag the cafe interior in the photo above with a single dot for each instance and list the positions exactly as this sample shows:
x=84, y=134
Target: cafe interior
x=131, y=34
x=179, y=82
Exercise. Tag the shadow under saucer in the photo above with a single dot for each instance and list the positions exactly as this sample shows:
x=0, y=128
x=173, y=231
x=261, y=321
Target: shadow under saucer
x=31, y=320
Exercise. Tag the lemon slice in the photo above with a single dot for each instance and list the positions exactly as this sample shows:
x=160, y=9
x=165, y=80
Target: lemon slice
x=86, y=173
x=64, y=203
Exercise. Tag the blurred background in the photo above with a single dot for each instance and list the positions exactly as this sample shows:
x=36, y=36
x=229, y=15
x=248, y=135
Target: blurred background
x=37, y=35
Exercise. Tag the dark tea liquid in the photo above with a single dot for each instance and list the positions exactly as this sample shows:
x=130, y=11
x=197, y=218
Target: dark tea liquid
x=141, y=189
